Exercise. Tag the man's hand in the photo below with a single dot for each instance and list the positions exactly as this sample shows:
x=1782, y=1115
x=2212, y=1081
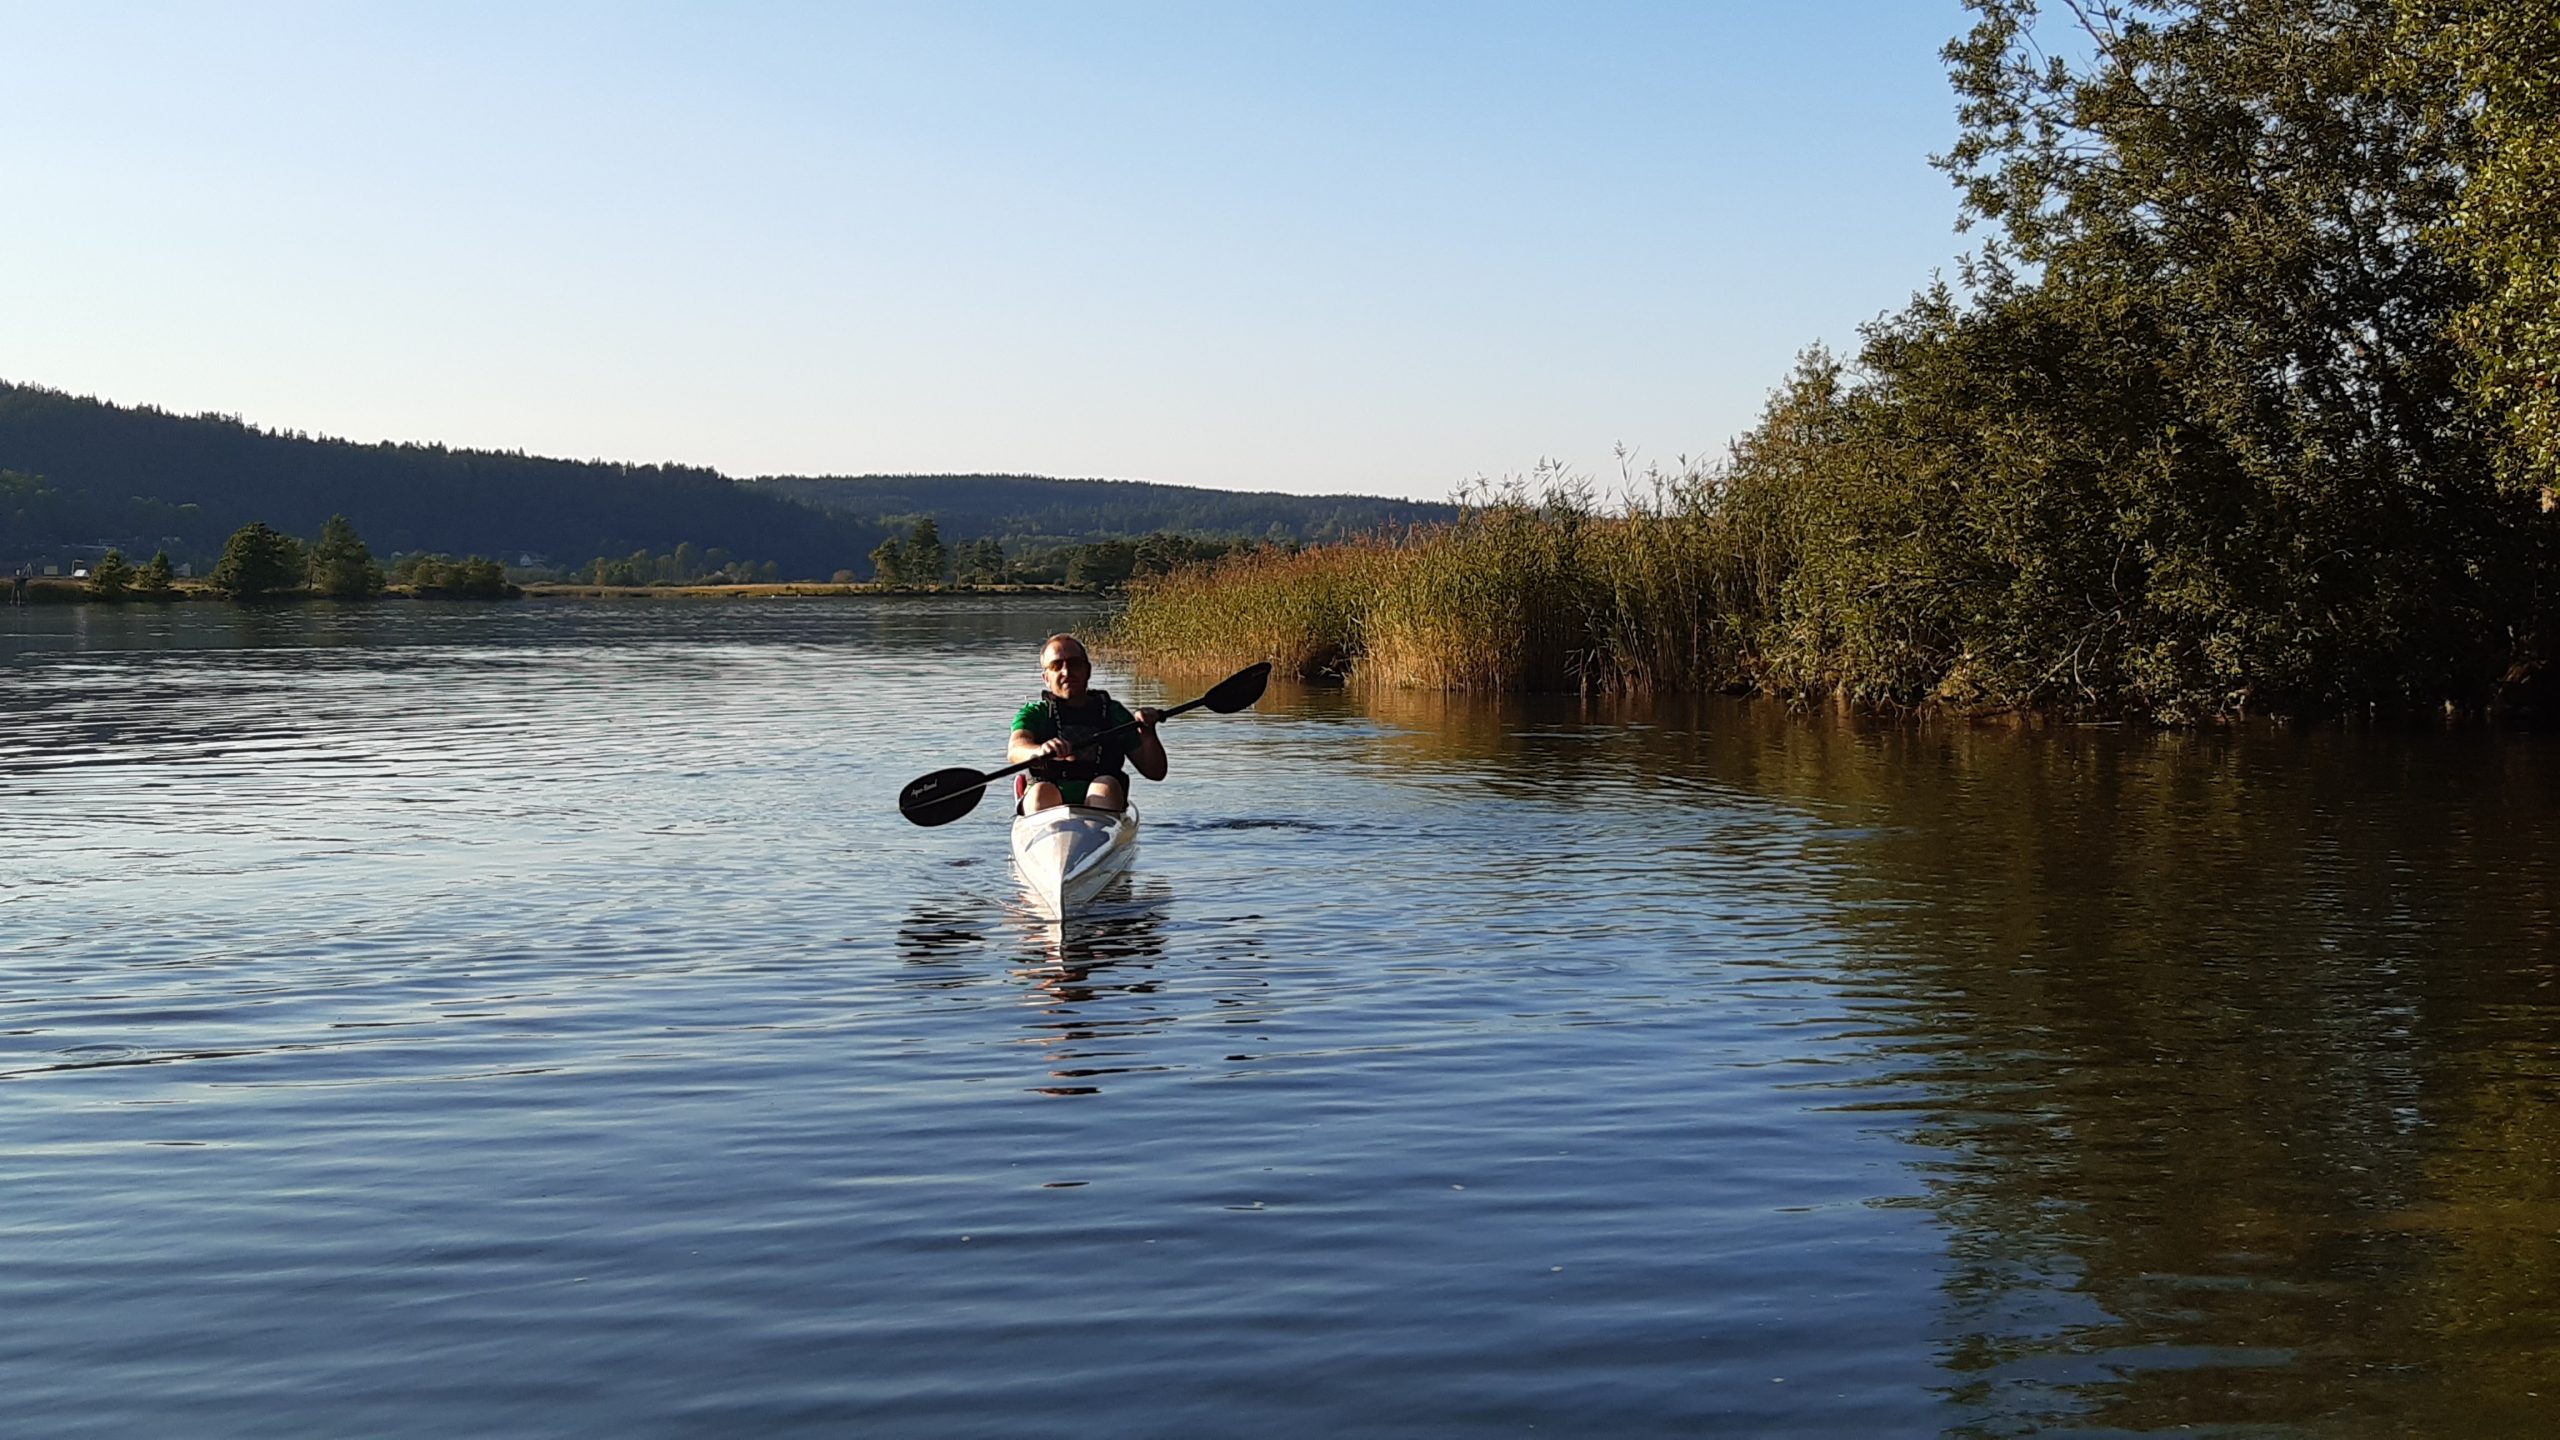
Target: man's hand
x=1057, y=747
x=1146, y=716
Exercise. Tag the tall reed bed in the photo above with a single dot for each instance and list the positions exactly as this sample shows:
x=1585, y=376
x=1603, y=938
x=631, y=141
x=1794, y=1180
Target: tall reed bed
x=1527, y=590
x=1304, y=612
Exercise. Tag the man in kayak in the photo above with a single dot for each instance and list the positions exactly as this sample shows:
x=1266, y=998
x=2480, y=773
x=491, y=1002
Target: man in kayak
x=1060, y=734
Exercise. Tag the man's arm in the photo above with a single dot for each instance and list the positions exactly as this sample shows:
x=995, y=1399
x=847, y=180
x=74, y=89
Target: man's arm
x=1148, y=753
x=1024, y=747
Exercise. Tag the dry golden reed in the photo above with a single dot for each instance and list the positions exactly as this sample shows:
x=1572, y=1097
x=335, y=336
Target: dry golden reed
x=1525, y=591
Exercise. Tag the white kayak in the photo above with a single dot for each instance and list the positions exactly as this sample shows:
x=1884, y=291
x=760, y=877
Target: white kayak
x=1068, y=853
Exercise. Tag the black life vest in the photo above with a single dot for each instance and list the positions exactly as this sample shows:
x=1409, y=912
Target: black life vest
x=1104, y=757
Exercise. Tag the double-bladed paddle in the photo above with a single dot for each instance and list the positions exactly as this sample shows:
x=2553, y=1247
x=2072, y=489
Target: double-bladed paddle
x=946, y=795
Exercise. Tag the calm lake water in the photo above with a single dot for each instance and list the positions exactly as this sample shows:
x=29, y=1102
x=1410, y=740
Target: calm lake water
x=536, y=1020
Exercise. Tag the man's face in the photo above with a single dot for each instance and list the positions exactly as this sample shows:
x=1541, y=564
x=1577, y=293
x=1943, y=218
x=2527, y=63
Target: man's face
x=1065, y=669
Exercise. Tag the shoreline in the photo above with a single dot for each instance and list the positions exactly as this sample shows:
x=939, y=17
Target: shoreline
x=53, y=590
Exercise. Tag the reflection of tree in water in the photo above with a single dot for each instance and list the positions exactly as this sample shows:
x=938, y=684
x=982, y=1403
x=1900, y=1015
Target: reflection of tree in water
x=2240, y=1050
x=2221, y=1038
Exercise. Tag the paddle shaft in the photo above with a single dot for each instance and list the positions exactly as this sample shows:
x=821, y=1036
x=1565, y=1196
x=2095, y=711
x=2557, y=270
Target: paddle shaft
x=1162, y=715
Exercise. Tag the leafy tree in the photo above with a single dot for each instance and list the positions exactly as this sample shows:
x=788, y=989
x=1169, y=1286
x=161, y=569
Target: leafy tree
x=111, y=577
x=1100, y=566
x=159, y=580
x=2504, y=109
x=1162, y=553
x=2194, y=443
x=341, y=566
x=889, y=562
x=257, y=562
x=981, y=561
x=443, y=577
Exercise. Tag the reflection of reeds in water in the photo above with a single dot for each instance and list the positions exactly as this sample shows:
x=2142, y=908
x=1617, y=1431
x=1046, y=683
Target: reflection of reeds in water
x=1521, y=593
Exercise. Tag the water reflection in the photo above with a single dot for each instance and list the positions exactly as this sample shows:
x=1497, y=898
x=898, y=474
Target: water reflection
x=1591, y=1066
x=2237, y=1052
x=1091, y=984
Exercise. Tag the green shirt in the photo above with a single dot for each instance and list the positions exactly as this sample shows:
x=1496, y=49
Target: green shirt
x=1033, y=719
x=1073, y=776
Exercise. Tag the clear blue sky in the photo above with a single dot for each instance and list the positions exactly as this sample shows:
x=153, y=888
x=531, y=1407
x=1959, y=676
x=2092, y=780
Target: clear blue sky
x=1381, y=248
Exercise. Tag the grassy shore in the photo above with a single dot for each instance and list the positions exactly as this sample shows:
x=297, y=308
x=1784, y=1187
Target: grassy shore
x=1523, y=592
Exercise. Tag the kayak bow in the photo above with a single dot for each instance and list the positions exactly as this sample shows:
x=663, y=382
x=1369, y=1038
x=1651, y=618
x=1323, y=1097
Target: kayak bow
x=1068, y=853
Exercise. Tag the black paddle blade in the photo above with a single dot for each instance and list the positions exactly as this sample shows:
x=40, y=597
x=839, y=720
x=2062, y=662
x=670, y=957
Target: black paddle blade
x=1239, y=690
x=943, y=796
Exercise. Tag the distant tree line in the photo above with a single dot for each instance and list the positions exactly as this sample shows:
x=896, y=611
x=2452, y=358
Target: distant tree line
x=686, y=564
x=1032, y=512
x=82, y=475
x=473, y=577
x=259, y=562
x=920, y=558
x=78, y=476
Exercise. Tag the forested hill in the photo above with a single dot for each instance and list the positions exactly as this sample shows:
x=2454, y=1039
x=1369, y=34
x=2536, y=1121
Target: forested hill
x=1036, y=509
x=77, y=473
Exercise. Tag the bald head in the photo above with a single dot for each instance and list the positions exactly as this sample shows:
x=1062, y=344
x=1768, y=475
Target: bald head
x=1065, y=668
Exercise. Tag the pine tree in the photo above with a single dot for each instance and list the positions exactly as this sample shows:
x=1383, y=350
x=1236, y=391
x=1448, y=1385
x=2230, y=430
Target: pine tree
x=925, y=553
x=257, y=563
x=111, y=578
x=158, y=580
x=341, y=567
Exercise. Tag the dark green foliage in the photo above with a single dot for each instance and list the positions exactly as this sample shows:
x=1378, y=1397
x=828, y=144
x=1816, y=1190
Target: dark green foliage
x=111, y=578
x=980, y=562
x=889, y=562
x=341, y=567
x=919, y=558
x=443, y=577
x=143, y=478
x=922, y=561
x=139, y=477
x=158, y=581
x=32, y=514
x=1162, y=553
x=1039, y=513
x=2503, y=112
x=684, y=565
x=258, y=563
x=2195, y=445
x=1102, y=565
